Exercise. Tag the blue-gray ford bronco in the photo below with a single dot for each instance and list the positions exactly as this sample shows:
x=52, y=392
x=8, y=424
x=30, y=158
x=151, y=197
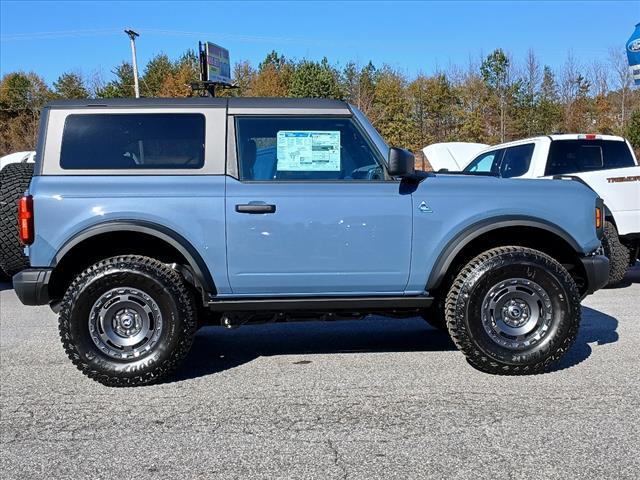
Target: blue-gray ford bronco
x=146, y=219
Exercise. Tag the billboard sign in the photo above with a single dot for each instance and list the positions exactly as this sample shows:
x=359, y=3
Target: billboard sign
x=218, y=68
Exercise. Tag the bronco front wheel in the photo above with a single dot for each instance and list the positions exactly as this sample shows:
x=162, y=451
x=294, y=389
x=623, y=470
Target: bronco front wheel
x=513, y=311
x=127, y=321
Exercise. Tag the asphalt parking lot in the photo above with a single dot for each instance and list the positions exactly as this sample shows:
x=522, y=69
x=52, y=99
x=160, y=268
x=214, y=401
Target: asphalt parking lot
x=378, y=398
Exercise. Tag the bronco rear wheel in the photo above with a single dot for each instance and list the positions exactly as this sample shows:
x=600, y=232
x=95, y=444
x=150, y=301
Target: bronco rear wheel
x=127, y=321
x=513, y=311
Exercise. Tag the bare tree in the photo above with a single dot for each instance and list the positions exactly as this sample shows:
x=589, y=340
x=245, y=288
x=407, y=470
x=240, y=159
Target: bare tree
x=96, y=83
x=568, y=79
x=532, y=73
x=622, y=80
x=574, y=91
x=598, y=75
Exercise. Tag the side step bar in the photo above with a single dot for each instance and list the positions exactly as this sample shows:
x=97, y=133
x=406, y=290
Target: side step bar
x=354, y=304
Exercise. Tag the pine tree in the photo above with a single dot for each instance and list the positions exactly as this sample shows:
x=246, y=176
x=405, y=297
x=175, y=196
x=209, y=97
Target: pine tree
x=433, y=105
x=549, y=111
x=156, y=72
x=633, y=130
x=495, y=73
x=122, y=86
x=70, y=85
x=22, y=96
x=273, y=78
x=392, y=108
x=315, y=80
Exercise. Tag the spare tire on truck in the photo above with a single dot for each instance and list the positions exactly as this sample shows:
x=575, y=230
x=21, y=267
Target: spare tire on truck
x=14, y=180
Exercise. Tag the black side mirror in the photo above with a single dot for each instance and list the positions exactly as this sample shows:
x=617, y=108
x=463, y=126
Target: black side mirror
x=401, y=162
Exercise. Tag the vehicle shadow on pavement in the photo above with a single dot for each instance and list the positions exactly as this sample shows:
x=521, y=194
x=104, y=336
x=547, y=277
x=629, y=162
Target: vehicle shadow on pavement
x=216, y=349
x=596, y=327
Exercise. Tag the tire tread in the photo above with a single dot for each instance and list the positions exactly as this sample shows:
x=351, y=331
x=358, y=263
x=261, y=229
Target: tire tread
x=14, y=180
x=461, y=337
x=184, y=299
x=618, y=254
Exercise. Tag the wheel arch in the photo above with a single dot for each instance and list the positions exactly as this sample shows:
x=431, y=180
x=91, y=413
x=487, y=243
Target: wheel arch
x=120, y=236
x=523, y=231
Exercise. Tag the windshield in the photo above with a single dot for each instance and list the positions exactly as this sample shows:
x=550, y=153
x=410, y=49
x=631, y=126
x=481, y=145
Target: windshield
x=371, y=132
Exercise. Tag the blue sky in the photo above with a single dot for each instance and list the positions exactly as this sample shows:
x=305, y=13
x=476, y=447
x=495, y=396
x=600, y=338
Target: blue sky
x=52, y=37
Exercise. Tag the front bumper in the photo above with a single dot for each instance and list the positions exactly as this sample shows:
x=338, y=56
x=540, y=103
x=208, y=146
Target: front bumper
x=32, y=285
x=597, y=269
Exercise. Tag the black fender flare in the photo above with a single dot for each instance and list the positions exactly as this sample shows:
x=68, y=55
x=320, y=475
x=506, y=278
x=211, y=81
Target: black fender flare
x=471, y=232
x=198, y=266
x=608, y=215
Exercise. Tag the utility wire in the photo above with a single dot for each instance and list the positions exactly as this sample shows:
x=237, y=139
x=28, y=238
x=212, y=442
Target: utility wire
x=163, y=32
x=59, y=34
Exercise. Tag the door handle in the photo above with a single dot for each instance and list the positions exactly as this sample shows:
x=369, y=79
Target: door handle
x=255, y=208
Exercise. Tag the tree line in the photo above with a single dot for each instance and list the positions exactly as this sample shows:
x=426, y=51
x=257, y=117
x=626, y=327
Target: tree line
x=491, y=100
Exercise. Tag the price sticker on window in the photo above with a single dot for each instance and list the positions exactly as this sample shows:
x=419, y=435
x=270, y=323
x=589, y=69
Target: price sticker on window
x=308, y=151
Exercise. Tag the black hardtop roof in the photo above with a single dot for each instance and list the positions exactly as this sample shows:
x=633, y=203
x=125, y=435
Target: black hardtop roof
x=231, y=102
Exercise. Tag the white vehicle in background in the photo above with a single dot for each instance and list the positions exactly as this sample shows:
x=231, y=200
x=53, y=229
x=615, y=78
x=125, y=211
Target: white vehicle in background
x=453, y=156
x=605, y=163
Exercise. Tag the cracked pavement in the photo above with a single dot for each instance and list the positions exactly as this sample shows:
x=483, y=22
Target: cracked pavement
x=378, y=398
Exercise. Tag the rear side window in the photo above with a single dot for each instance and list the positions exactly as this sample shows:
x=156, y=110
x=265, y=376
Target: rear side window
x=516, y=160
x=133, y=141
x=574, y=156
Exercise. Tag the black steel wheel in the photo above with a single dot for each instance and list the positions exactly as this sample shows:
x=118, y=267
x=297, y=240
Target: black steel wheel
x=513, y=311
x=127, y=321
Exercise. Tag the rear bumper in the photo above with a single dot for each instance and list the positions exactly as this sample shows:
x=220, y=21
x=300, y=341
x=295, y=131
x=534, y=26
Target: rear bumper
x=597, y=270
x=32, y=286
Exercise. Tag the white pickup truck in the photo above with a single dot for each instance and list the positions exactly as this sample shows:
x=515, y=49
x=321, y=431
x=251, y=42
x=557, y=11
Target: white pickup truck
x=605, y=163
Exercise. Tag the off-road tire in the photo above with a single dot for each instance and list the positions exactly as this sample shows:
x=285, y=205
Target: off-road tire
x=14, y=180
x=617, y=253
x=164, y=285
x=464, y=309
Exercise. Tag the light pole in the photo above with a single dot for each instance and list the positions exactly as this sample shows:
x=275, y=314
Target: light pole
x=132, y=36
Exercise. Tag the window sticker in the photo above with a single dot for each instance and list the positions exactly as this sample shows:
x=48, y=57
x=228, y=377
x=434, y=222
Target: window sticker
x=308, y=151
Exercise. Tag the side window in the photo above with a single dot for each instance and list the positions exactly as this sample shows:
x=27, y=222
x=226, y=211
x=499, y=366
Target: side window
x=516, y=160
x=616, y=155
x=486, y=163
x=133, y=141
x=574, y=156
x=304, y=148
